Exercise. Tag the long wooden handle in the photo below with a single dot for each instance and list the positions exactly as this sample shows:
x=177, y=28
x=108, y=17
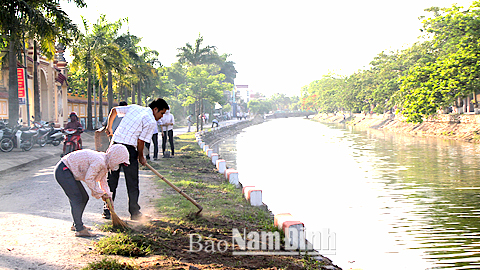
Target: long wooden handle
x=200, y=208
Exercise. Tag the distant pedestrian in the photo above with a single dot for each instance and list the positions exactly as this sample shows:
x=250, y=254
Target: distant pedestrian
x=90, y=167
x=189, y=122
x=214, y=122
x=167, y=130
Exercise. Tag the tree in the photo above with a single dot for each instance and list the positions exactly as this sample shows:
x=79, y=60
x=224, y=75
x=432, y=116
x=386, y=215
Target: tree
x=97, y=53
x=195, y=55
x=259, y=106
x=42, y=19
x=453, y=71
x=200, y=85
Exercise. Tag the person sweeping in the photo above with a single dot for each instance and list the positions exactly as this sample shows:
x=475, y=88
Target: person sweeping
x=90, y=167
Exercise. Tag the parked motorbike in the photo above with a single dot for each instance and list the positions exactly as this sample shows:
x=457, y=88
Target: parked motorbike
x=2, y=127
x=50, y=135
x=72, y=140
x=18, y=136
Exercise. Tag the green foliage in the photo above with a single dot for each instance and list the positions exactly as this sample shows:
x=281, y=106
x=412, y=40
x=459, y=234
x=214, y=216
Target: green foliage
x=260, y=106
x=124, y=244
x=418, y=81
x=201, y=84
x=109, y=264
x=227, y=107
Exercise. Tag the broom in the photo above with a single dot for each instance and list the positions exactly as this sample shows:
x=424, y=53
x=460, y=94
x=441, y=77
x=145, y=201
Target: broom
x=116, y=221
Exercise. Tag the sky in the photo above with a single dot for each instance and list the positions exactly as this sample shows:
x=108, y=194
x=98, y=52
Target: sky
x=277, y=46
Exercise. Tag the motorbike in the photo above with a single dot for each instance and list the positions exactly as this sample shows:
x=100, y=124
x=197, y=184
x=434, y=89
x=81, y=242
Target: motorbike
x=18, y=136
x=50, y=135
x=2, y=127
x=72, y=141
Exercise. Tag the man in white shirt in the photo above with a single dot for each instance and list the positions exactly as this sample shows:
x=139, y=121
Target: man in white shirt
x=167, y=130
x=189, y=121
x=136, y=128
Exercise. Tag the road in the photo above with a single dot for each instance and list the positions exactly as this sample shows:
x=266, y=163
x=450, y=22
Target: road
x=35, y=217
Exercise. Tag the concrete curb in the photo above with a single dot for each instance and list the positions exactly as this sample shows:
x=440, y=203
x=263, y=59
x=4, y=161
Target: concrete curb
x=293, y=228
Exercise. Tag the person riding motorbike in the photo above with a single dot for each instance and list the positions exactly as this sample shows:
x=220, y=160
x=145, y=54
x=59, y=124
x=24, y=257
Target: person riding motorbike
x=75, y=124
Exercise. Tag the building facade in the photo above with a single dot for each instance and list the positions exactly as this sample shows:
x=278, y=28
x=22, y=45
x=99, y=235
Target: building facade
x=55, y=101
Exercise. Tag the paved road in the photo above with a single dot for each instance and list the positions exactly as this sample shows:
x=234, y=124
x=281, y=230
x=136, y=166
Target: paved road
x=35, y=214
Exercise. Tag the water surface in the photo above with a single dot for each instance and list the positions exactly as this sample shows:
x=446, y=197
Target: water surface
x=390, y=201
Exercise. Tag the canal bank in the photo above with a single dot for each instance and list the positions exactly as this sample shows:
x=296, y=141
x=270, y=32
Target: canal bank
x=409, y=202
x=463, y=127
x=290, y=226
x=178, y=239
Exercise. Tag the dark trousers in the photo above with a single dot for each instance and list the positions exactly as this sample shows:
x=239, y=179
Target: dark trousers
x=155, y=146
x=131, y=179
x=76, y=193
x=170, y=140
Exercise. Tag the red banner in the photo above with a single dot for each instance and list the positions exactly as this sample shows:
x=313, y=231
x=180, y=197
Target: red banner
x=21, y=82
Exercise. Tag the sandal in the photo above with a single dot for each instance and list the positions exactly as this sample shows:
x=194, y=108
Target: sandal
x=84, y=233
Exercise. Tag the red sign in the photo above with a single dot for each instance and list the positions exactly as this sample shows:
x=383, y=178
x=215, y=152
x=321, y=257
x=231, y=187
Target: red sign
x=21, y=82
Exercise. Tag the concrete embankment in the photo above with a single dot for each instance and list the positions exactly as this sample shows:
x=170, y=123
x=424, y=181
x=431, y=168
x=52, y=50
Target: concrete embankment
x=293, y=229
x=465, y=127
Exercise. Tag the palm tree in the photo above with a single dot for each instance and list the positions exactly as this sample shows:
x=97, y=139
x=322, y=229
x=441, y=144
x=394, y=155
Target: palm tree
x=107, y=56
x=195, y=55
x=41, y=19
x=97, y=53
x=129, y=44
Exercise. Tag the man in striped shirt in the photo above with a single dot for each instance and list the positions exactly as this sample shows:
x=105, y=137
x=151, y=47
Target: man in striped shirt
x=136, y=128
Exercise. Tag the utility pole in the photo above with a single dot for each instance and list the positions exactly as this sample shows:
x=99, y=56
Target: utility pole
x=234, y=105
x=26, y=83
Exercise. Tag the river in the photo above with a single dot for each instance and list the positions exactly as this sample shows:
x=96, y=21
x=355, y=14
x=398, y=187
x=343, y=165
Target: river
x=384, y=201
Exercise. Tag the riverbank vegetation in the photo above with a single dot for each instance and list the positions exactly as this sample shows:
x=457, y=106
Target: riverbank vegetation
x=437, y=72
x=164, y=243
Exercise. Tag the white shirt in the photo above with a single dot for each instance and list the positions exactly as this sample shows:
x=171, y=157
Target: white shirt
x=138, y=123
x=167, y=119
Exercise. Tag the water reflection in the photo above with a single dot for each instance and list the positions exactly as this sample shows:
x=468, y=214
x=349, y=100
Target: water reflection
x=393, y=201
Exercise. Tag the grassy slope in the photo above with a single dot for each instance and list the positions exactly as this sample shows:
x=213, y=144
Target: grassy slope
x=164, y=243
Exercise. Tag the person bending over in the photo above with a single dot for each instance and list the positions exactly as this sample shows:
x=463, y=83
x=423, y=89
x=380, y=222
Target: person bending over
x=90, y=167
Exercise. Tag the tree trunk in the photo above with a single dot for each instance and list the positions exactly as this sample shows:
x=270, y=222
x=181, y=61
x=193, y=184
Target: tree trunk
x=139, y=94
x=201, y=113
x=36, y=90
x=475, y=101
x=100, y=104
x=133, y=93
x=89, y=100
x=110, y=91
x=13, y=105
x=197, y=114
